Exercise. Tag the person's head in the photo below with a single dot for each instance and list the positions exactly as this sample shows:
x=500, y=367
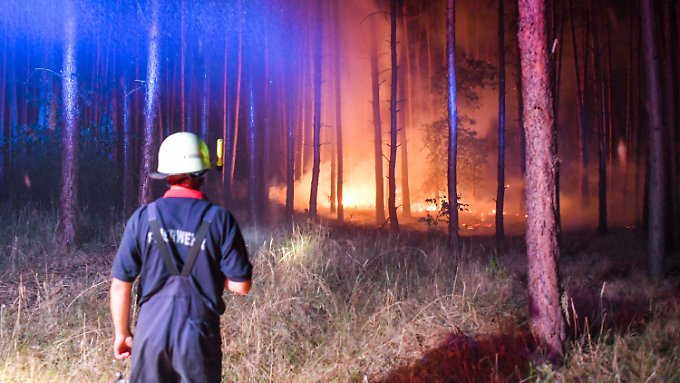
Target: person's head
x=183, y=159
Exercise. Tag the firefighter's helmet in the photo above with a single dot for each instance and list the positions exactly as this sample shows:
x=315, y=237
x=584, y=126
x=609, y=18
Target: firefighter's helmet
x=182, y=153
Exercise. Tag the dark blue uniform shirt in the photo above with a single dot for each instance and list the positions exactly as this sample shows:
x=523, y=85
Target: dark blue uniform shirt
x=223, y=253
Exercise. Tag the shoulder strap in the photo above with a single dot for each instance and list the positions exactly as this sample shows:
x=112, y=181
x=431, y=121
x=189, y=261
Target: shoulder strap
x=160, y=241
x=198, y=241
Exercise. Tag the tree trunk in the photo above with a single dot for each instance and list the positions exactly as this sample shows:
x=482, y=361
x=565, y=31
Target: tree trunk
x=254, y=174
x=547, y=322
x=377, y=129
x=454, y=243
x=239, y=67
x=581, y=111
x=392, y=193
x=126, y=175
x=670, y=85
x=338, y=117
x=150, y=108
x=290, y=160
x=500, y=191
x=656, y=240
x=599, y=108
x=71, y=134
x=408, y=121
x=317, y=113
x=204, y=105
x=226, y=131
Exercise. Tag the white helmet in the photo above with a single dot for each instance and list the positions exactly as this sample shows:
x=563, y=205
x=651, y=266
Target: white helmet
x=182, y=153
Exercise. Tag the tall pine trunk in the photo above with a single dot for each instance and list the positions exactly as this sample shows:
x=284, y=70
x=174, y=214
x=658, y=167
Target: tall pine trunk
x=599, y=109
x=377, y=129
x=500, y=190
x=581, y=111
x=545, y=314
x=392, y=193
x=670, y=89
x=150, y=108
x=254, y=173
x=408, y=120
x=656, y=239
x=317, y=113
x=71, y=133
x=338, y=118
x=454, y=245
x=290, y=159
x=237, y=107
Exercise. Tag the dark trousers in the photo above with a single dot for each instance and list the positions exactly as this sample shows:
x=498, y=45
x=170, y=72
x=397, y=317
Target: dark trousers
x=177, y=338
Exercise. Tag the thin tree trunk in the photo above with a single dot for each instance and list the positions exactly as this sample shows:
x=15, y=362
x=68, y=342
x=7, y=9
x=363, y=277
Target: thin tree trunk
x=338, y=117
x=599, y=108
x=547, y=322
x=150, y=108
x=204, y=105
x=500, y=190
x=317, y=113
x=670, y=85
x=656, y=240
x=239, y=66
x=71, y=134
x=581, y=111
x=127, y=150
x=254, y=173
x=392, y=193
x=226, y=131
x=377, y=129
x=454, y=242
x=290, y=160
x=406, y=92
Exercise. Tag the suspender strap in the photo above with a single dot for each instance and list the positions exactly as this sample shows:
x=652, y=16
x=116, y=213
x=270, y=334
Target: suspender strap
x=162, y=244
x=198, y=241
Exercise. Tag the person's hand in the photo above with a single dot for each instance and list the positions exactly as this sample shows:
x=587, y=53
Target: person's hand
x=122, y=346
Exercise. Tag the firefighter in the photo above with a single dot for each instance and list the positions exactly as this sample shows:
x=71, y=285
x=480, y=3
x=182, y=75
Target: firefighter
x=186, y=251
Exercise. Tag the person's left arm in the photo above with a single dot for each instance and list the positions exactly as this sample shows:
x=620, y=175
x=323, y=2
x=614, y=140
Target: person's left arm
x=120, y=313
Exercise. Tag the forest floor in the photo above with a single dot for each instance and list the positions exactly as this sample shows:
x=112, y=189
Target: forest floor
x=347, y=303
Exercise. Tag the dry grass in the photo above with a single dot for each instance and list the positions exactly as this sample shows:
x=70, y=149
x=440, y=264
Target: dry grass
x=343, y=305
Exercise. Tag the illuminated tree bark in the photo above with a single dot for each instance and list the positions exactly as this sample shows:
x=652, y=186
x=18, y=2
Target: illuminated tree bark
x=226, y=131
x=239, y=67
x=500, y=190
x=407, y=95
x=317, y=114
x=126, y=175
x=150, y=108
x=656, y=236
x=338, y=118
x=254, y=174
x=454, y=243
x=71, y=133
x=392, y=193
x=377, y=129
x=290, y=159
x=547, y=322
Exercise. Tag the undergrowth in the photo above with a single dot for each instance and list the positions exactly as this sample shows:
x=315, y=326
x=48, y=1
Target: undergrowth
x=328, y=305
